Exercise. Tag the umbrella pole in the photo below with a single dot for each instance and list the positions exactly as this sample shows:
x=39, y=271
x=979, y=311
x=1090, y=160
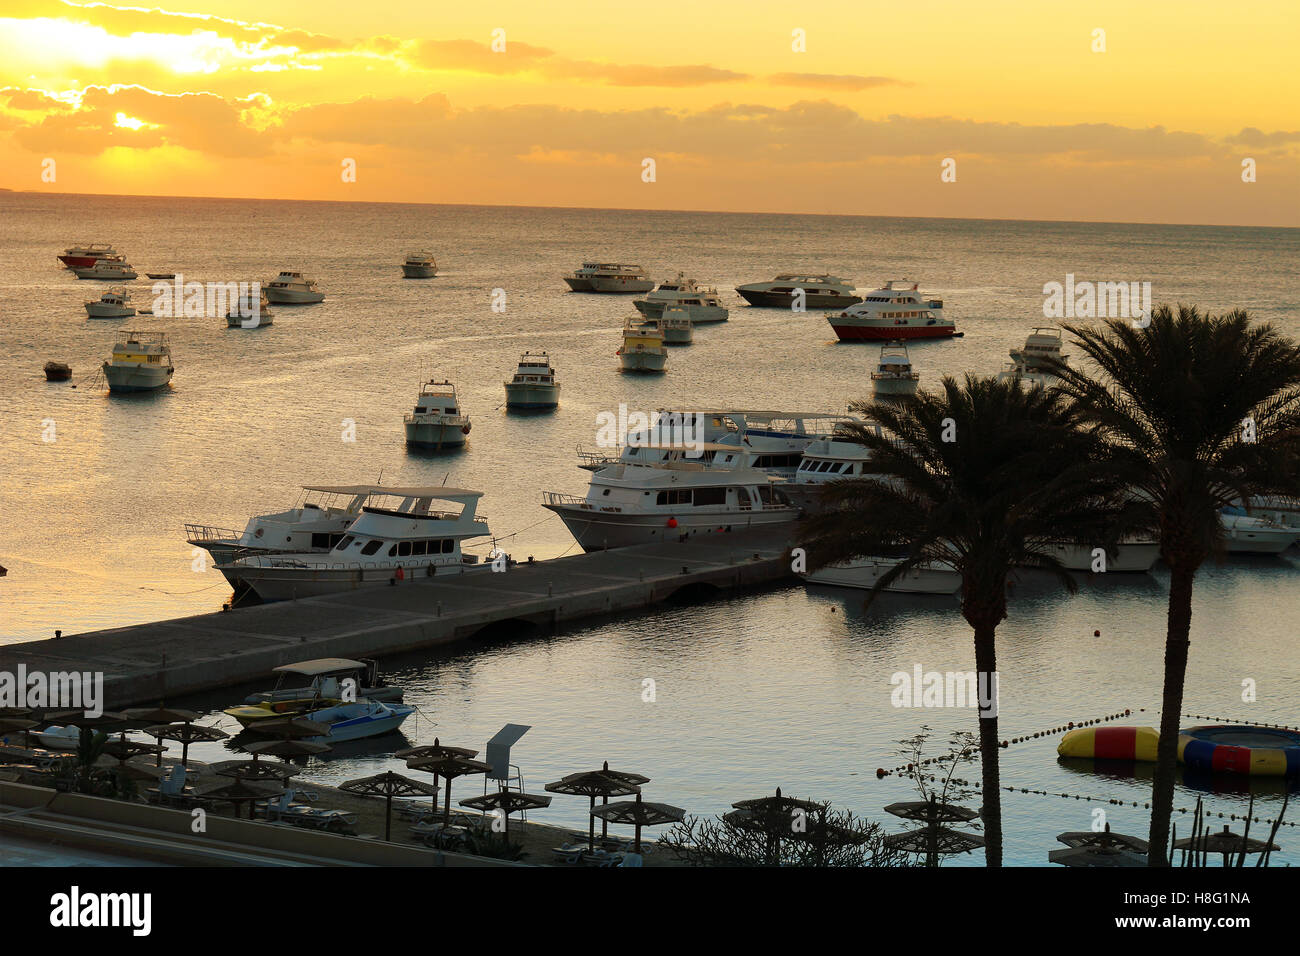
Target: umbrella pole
x=591, y=826
x=604, y=824
x=636, y=843
x=446, y=816
x=388, y=817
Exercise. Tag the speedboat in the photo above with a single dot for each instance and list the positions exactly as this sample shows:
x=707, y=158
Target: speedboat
x=1033, y=362
x=106, y=270
x=141, y=362
x=83, y=257
x=437, y=421
x=533, y=384
x=292, y=288
x=1256, y=534
x=701, y=305
x=328, y=679
x=864, y=572
x=419, y=265
x=674, y=323
x=397, y=536
x=825, y=460
x=629, y=504
x=894, y=375
x=819, y=292
x=113, y=304
x=642, y=349
x=347, y=720
x=896, y=311
x=247, y=312
x=314, y=526
x=609, y=277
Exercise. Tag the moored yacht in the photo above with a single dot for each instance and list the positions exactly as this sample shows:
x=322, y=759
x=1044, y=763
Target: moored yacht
x=248, y=312
x=644, y=503
x=1034, y=361
x=533, y=384
x=702, y=305
x=894, y=375
x=675, y=324
x=896, y=311
x=642, y=349
x=864, y=572
x=397, y=536
x=1255, y=534
x=819, y=292
x=826, y=460
x=1132, y=556
x=83, y=257
x=419, y=265
x=141, y=362
x=609, y=277
x=436, y=421
x=113, y=304
x=327, y=679
x=292, y=288
x=106, y=270
x=670, y=426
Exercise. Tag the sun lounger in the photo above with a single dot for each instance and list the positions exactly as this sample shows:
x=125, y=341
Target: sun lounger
x=570, y=854
x=602, y=858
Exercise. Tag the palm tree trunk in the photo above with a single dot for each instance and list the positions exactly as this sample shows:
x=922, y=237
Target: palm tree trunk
x=1171, y=708
x=986, y=664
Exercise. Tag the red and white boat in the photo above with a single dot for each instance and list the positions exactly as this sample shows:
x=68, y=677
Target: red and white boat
x=897, y=311
x=83, y=257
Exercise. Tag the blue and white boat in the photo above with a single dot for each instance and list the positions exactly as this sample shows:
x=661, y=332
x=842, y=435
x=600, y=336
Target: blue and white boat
x=362, y=718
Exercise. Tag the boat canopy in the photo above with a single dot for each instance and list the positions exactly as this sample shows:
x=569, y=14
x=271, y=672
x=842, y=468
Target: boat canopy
x=395, y=491
x=320, y=666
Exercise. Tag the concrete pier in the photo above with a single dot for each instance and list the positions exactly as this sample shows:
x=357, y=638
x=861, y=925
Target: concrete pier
x=144, y=663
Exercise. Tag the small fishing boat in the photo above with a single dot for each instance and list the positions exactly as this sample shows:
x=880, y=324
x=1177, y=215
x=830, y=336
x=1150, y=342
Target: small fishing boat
x=161, y=275
x=437, y=421
x=534, y=384
x=57, y=371
x=419, y=265
x=141, y=362
x=347, y=720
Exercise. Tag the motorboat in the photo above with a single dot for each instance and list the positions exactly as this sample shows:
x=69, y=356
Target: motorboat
x=864, y=572
x=826, y=460
x=1035, y=362
x=669, y=426
x=59, y=737
x=642, y=349
x=1256, y=534
x=894, y=312
x=141, y=362
x=437, y=421
x=674, y=323
x=328, y=678
x=894, y=375
x=292, y=288
x=783, y=292
x=247, y=312
x=106, y=270
x=396, y=537
x=609, y=277
x=776, y=440
x=57, y=371
x=533, y=384
x=629, y=504
x=702, y=305
x=1279, y=509
x=315, y=525
x=113, y=304
x=83, y=257
x=1131, y=556
x=347, y=720
x=419, y=265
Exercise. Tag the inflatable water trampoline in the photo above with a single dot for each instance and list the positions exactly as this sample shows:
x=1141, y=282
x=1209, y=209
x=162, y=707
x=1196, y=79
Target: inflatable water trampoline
x=1225, y=748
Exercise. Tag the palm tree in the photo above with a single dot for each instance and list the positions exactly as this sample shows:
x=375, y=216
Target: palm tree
x=1198, y=412
x=981, y=475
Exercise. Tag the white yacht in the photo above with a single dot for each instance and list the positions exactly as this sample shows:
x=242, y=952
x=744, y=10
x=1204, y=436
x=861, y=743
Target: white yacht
x=642, y=349
x=534, y=384
x=894, y=375
x=777, y=440
x=702, y=305
x=825, y=460
x=1032, y=363
x=895, y=312
x=670, y=427
x=1256, y=534
x=249, y=313
x=819, y=291
x=437, y=421
x=141, y=362
x=609, y=277
x=864, y=572
x=419, y=265
x=630, y=504
x=83, y=257
x=113, y=304
x=675, y=324
x=1130, y=556
x=292, y=288
x=106, y=270
x=398, y=536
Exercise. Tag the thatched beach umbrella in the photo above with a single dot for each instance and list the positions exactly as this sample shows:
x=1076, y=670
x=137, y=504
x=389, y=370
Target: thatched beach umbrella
x=254, y=770
x=186, y=734
x=10, y=724
x=1225, y=842
x=449, y=768
x=635, y=779
x=639, y=814
x=1078, y=838
x=508, y=802
x=389, y=785
x=429, y=751
x=239, y=791
x=124, y=749
x=284, y=748
x=1097, y=855
x=777, y=818
x=160, y=716
x=932, y=840
x=593, y=784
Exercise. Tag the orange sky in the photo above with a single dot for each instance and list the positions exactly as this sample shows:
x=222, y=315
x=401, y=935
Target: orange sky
x=269, y=99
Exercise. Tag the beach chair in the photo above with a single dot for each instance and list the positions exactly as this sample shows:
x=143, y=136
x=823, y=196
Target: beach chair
x=602, y=858
x=569, y=854
x=273, y=809
x=170, y=789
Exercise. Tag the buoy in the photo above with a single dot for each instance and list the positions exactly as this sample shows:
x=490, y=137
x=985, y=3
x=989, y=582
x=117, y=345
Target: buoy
x=672, y=522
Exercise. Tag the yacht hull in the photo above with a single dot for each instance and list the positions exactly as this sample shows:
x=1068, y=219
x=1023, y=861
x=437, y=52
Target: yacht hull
x=1136, y=557
x=601, y=531
x=532, y=396
x=254, y=322
x=136, y=378
x=863, y=573
x=1241, y=541
x=92, y=273
x=678, y=336
x=641, y=361
x=698, y=314
x=893, y=386
x=849, y=331
x=616, y=285
x=289, y=583
x=292, y=296
x=418, y=272
x=434, y=435
x=98, y=310
x=784, y=300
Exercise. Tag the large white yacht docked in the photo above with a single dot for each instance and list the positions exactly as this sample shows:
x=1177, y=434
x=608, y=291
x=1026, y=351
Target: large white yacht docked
x=437, y=421
x=819, y=292
x=292, y=288
x=113, y=304
x=630, y=504
x=701, y=305
x=896, y=311
x=419, y=265
x=141, y=362
x=403, y=538
x=609, y=277
x=1033, y=362
x=106, y=270
x=894, y=375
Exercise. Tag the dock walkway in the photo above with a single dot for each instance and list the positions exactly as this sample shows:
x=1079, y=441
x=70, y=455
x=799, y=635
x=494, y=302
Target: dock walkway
x=144, y=663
